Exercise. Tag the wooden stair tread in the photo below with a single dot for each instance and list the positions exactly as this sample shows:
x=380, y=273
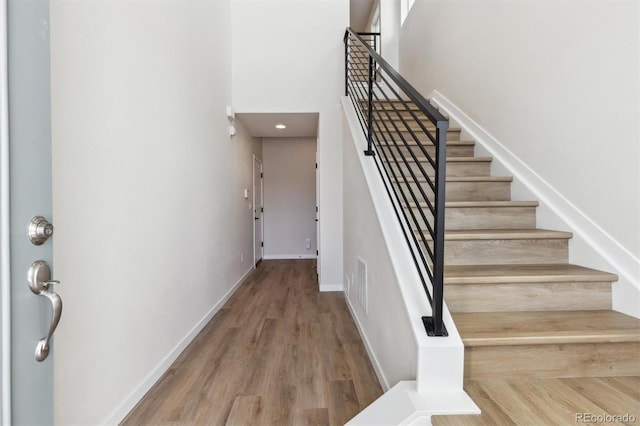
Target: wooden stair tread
x=470, y=179
x=414, y=126
x=536, y=328
x=502, y=234
x=483, y=204
x=525, y=273
x=412, y=142
x=455, y=159
x=477, y=179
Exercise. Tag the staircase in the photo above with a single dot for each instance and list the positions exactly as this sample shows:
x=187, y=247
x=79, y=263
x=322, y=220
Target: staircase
x=521, y=309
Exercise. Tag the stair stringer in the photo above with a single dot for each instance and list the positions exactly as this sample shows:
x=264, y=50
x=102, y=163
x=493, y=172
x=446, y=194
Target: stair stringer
x=440, y=360
x=590, y=244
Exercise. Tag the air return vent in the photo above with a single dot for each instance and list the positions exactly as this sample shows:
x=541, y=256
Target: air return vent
x=361, y=284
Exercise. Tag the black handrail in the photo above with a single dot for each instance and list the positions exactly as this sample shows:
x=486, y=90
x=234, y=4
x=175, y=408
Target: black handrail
x=406, y=136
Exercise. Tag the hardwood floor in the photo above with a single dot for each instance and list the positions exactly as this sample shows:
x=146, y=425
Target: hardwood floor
x=278, y=353
x=566, y=401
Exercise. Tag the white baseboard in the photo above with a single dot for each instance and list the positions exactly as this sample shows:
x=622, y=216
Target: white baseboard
x=289, y=256
x=147, y=383
x=331, y=287
x=404, y=405
x=372, y=356
x=592, y=243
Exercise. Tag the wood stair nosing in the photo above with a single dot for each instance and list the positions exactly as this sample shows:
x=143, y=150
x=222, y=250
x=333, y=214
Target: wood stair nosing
x=412, y=142
x=546, y=327
x=482, y=204
x=420, y=159
x=504, y=234
x=524, y=273
x=415, y=127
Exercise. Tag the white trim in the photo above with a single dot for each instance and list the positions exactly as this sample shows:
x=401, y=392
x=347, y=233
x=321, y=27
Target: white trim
x=288, y=256
x=257, y=159
x=5, y=243
x=405, y=405
x=626, y=292
x=367, y=345
x=330, y=287
x=147, y=383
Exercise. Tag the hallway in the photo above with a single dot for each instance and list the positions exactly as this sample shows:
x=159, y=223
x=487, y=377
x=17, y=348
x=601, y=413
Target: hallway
x=278, y=353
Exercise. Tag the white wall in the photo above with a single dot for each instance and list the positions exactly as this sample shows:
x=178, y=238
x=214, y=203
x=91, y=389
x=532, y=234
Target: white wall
x=148, y=206
x=390, y=31
x=289, y=197
x=556, y=83
x=386, y=329
x=288, y=57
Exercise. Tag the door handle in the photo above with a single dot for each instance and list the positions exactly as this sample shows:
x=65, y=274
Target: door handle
x=40, y=283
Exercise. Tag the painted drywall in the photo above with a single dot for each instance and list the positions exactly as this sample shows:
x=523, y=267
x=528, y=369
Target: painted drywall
x=384, y=326
x=390, y=31
x=150, y=215
x=288, y=57
x=289, y=197
x=556, y=83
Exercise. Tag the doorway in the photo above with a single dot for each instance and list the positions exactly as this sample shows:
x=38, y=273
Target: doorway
x=258, y=222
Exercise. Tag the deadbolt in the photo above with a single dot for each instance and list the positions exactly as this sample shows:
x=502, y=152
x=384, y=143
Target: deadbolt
x=39, y=230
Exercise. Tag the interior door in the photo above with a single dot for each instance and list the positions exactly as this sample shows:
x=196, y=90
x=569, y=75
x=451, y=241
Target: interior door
x=27, y=317
x=258, y=222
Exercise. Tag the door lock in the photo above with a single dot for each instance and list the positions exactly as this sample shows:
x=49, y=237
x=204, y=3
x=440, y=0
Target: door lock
x=39, y=230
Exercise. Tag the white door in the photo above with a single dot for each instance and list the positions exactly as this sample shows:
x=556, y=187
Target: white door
x=27, y=384
x=258, y=221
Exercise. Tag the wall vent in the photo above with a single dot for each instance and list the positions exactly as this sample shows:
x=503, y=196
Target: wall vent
x=361, y=284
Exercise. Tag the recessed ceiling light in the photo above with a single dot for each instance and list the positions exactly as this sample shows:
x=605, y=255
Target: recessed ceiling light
x=280, y=126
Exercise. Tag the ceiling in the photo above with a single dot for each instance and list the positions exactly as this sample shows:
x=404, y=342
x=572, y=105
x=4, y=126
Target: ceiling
x=262, y=125
x=360, y=11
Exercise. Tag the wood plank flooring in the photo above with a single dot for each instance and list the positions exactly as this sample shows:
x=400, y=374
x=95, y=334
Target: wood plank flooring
x=566, y=401
x=278, y=353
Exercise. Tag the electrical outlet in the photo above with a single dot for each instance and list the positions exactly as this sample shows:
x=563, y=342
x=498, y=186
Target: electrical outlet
x=241, y=258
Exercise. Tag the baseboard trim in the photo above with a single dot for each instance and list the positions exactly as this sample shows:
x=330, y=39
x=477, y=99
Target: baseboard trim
x=147, y=383
x=603, y=245
x=288, y=256
x=331, y=287
x=372, y=356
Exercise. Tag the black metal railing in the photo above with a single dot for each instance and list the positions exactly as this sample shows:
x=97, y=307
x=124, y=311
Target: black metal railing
x=406, y=137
